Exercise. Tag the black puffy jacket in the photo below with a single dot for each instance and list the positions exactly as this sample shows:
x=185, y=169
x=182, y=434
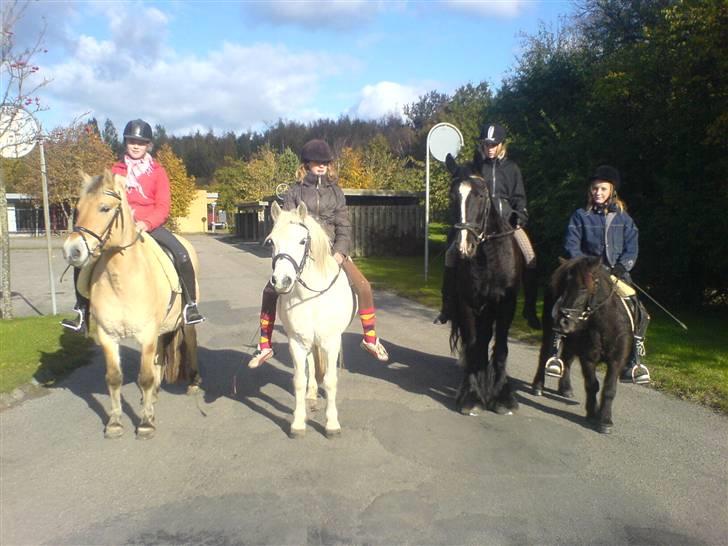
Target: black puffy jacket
x=506, y=186
x=326, y=202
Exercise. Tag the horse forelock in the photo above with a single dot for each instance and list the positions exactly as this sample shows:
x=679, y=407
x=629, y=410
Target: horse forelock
x=320, y=247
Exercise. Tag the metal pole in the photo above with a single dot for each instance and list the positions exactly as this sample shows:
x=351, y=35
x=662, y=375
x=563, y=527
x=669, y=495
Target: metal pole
x=47, y=218
x=427, y=205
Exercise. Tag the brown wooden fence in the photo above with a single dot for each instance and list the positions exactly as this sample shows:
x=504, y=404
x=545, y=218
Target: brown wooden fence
x=384, y=223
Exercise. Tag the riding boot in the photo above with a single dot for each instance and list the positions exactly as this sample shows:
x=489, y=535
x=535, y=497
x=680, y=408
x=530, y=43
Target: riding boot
x=449, y=278
x=635, y=370
x=190, y=314
x=79, y=323
x=530, y=295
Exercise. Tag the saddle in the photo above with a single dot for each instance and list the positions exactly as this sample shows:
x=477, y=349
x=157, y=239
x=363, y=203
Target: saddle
x=162, y=255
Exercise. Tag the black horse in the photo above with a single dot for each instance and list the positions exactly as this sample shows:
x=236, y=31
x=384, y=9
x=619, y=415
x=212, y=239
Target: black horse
x=584, y=309
x=488, y=274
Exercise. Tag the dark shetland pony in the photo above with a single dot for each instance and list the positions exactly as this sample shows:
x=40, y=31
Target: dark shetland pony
x=583, y=305
x=488, y=275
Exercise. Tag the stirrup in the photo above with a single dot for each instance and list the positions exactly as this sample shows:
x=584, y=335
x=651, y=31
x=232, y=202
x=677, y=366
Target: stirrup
x=78, y=324
x=193, y=319
x=642, y=378
x=555, y=367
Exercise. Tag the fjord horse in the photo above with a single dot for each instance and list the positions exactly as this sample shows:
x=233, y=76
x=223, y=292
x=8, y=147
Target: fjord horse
x=133, y=294
x=583, y=306
x=315, y=304
x=488, y=275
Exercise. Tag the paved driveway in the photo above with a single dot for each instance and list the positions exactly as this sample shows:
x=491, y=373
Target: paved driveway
x=407, y=469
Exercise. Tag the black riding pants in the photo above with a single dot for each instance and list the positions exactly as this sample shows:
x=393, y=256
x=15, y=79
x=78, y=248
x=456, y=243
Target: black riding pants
x=182, y=261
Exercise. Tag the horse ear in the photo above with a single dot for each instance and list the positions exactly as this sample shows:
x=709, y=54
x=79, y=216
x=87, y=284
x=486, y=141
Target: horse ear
x=117, y=181
x=451, y=164
x=302, y=210
x=275, y=211
x=86, y=181
x=562, y=261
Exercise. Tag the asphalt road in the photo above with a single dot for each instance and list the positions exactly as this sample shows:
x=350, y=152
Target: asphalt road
x=407, y=469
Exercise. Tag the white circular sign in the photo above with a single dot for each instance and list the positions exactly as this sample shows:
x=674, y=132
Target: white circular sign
x=18, y=132
x=445, y=139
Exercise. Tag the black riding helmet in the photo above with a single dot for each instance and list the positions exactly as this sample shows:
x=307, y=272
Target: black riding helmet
x=608, y=174
x=138, y=129
x=316, y=150
x=492, y=133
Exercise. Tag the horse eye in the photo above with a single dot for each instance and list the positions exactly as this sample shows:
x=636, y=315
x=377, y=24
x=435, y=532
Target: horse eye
x=105, y=208
x=303, y=241
x=268, y=242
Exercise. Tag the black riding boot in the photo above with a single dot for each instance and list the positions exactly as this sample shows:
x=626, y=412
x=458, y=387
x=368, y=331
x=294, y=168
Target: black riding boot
x=79, y=323
x=190, y=314
x=449, y=278
x=530, y=295
x=635, y=370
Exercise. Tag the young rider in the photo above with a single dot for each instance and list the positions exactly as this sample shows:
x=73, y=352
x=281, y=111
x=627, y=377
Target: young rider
x=317, y=188
x=148, y=195
x=504, y=180
x=604, y=229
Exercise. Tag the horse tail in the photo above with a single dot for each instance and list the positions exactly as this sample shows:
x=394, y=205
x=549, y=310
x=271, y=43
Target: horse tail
x=454, y=332
x=179, y=354
x=319, y=364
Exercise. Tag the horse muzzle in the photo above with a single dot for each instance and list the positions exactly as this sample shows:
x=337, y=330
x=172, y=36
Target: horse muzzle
x=282, y=284
x=75, y=250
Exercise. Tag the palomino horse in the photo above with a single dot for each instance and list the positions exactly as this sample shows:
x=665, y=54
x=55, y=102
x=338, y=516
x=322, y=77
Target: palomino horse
x=583, y=307
x=488, y=275
x=132, y=295
x=315, y=305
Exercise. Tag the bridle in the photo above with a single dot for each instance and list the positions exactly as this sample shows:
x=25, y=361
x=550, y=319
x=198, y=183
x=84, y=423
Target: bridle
x=478, y=231
x=106, y=233
x=591, y=306
x=299, y=267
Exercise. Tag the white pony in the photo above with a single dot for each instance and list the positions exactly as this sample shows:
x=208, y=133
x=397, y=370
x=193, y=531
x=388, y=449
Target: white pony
x=315, y=305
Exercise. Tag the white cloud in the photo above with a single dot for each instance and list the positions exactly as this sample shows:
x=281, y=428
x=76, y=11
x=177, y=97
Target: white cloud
x=486, y=8
x=384, y=98
x=319, y=13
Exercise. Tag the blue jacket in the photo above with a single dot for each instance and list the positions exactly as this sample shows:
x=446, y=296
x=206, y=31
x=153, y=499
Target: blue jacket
x=607, y=233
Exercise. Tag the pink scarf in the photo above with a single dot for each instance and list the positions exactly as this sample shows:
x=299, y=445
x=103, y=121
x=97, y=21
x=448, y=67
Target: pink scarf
x=134, y=169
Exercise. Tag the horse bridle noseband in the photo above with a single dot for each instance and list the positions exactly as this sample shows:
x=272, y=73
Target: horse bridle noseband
x=106, y=234
x=298, y=268
x=590, y=308
x=478, y=231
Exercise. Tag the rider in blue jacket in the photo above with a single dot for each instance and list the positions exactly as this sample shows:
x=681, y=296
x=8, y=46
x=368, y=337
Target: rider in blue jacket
x=605, y=229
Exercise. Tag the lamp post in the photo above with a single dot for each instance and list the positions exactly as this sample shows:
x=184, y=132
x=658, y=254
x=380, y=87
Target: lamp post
x=442, y=139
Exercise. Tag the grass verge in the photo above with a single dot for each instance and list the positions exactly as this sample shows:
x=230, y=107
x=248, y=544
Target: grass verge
x=37, y=348
x=692, y=365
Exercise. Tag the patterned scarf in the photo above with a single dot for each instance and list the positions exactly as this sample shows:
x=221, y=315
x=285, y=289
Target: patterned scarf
x=134, y=169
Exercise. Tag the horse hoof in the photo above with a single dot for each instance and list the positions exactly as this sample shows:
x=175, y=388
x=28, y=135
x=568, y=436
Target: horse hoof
x=193, y=389
x=146, y=431
x=297, y=434
x=537, y=390
x=333, y=433
x=471, y=411
x=503, y=410
x=604, y=428
x=113, y=431
x=568, y=393
x=312, y=405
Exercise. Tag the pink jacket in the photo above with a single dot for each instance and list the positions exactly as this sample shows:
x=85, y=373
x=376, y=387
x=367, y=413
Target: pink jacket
x=153, y=209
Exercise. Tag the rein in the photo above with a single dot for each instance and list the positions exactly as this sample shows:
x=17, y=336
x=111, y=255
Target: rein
x=478, y=231
x=298, y=268
x=106, y=233
x=584, y=315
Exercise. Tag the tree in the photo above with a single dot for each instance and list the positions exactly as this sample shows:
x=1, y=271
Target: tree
x=352, y=173
x=111, y=137
x=182, y=185
x=19, y=84
x=286, y=165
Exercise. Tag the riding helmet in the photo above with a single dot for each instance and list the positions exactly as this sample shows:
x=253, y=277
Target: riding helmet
x=608, y=174
x=316, y=150
x=492, y=133
x=138, y=129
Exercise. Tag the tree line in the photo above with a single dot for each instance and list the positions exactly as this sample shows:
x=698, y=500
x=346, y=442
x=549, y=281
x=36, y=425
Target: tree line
x=635, y=84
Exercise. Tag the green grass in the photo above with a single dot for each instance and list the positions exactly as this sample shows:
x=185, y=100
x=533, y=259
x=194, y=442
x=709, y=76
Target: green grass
x=692, y=365
x=37, y=347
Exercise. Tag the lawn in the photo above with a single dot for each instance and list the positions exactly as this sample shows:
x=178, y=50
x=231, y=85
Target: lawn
x=692, y=365
x=37, y=347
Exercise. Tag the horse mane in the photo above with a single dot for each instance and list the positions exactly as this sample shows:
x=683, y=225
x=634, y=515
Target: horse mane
x=581, y=269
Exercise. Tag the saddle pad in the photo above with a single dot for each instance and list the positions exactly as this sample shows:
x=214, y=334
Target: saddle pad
x=158, y=253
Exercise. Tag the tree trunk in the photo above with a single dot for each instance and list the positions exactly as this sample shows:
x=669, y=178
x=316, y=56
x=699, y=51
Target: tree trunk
x=6, y=305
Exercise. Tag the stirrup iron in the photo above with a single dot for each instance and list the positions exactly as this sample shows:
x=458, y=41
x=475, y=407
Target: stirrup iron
x=643, y=378
x=185, y=313
x=74, y=326
x=554, y=366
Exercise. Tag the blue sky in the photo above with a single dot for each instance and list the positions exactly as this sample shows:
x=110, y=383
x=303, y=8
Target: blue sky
x=234, y=66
